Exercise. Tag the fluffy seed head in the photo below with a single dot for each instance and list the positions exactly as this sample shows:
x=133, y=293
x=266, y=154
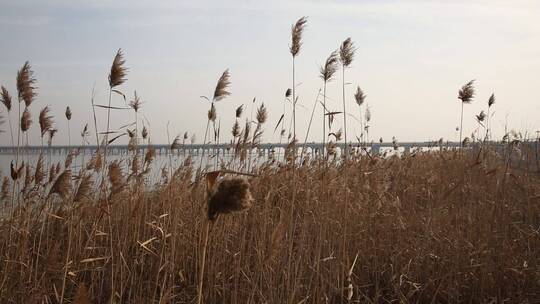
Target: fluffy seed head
x=222, y=86
x=149, y=156
x=330, y=67
x=212, y=115
x=296, y=36
x=229, y=195
x=176, y=143
x=39, y=175
x=346, y=52
x=359, y=96
x=239, y=111
x=466, y=93
x=118, y=73
x=491, y=100
x=85, y=188
x=45, y=120
x=26, y=120
x=481, y=116
x=62, y=185
x=25, y=84
x=52, y=132
x=135, y=103
x=262, y=114
x=68, y=113
x=4, y=192
x=5, y=98
x=235, y=129
x=116, y=177
x=144, y=132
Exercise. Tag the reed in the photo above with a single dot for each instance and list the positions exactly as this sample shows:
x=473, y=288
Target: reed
x=6, y=100
x=297, y=32
x=346, y=55
x=465, y=95
x=327, y=72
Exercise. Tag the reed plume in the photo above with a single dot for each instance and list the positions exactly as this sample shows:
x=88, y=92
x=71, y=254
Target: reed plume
x=235, y=129
x=116, y=178
x=52, y=133
x=176, y=143
x=118, y=73
x=222, y=86
x=4, y=191
x=45, y=121
x=144, y=132
x=360, y=97
x=212, y=114
x=68, y=113
x=68, y=117
x=26, y=120
x=39, y=174
x=262, y=114
x=466, y=94
x=62, y=185
x=135, y=103
x=327, y=73
x=6, y=100
x=239, y=111
x=491, y=101
x=297, y=31
x=229, y=195
x=25, y=84
x=346, y=55
x=84, y=190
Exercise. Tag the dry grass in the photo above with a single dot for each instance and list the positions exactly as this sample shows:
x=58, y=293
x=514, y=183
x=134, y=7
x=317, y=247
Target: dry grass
x=448, y=227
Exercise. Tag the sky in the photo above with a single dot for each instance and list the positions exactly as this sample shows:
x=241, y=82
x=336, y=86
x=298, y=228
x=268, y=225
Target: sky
x=412, y=57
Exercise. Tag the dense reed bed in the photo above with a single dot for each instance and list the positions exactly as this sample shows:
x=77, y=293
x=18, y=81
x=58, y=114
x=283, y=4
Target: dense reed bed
x=445, y=227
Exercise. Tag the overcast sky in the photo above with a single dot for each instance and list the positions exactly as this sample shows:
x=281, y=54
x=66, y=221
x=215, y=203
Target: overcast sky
x=412, y=58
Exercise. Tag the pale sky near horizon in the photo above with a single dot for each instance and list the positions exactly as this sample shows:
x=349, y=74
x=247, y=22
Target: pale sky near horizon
x=412, y=58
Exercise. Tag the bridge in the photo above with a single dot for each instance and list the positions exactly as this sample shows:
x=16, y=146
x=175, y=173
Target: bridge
x=224, y=149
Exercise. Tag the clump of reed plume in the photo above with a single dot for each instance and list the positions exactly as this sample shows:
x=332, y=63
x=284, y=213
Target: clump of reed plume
x=297, y=31
x=346, y=55
x=327, y=72
x=6, y=100
x=224, y=196
x=466, y=95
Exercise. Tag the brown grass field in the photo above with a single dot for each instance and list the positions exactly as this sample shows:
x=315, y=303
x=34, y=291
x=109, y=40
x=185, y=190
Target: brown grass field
x=442, y=227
